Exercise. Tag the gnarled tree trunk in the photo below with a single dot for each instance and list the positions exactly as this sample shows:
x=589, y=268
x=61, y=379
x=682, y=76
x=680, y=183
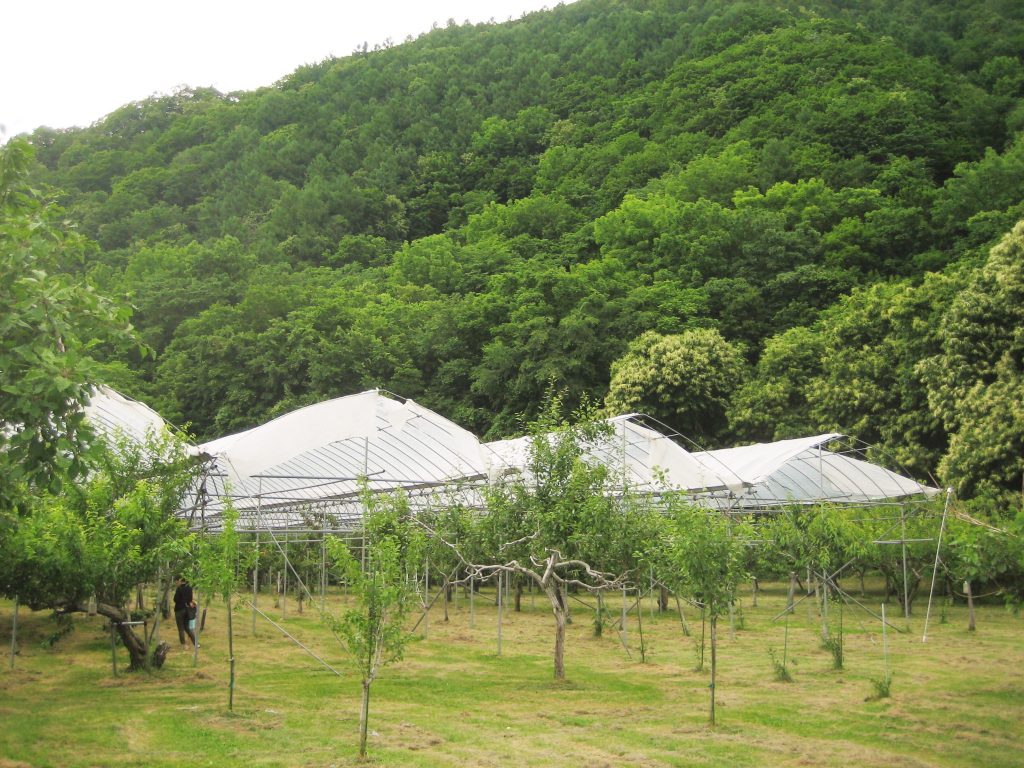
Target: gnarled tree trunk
x=136, y=646
x=554, y=593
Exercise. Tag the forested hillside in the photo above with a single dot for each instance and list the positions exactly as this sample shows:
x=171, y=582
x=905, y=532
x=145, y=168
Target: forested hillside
x=751, y=220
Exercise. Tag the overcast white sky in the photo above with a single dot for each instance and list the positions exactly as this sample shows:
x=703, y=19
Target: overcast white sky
x=71, y=62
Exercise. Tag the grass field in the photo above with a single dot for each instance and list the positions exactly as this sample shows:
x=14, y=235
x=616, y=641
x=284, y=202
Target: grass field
x=957, y=700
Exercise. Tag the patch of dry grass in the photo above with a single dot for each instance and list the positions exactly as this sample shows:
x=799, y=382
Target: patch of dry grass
x=956, y=700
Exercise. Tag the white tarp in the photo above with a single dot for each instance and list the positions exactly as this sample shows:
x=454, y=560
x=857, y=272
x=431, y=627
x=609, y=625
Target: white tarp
x=248, y=453
x=113, y=416
x=799, y=471
x=639, y=457
x=317, y=457
x=806, y=471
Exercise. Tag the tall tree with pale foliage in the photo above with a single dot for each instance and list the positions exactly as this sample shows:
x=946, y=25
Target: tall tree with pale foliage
x=685, y=380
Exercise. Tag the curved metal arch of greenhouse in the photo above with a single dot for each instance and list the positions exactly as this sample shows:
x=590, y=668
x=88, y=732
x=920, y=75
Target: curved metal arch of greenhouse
x=309, y=469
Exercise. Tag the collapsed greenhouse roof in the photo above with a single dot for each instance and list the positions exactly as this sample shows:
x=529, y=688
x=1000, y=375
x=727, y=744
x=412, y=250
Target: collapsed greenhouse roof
x=309, y=468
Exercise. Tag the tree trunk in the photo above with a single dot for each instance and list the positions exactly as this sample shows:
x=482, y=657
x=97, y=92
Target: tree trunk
x=554, y=594
x=519, y=595
x=364, y=718
x=662, y=599
x=792, y=591
x=136, y=646
x=714, y=662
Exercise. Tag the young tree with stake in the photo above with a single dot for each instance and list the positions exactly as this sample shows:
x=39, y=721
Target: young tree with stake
x=374, y=632
x=217, y=568
x=703, y=556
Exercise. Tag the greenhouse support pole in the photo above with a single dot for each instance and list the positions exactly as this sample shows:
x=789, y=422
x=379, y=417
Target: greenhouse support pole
x=255, y=582
x=284, y=592
x=284, y=632
x=14, y=631
x=472, y=611
x=323, y=574
x=652, y=593
x=499, y=613
x=682, y=618
x=935, y=567
x=255, y=593
x=623, y=632
x=196, y=632
x=824, y=610
x=113, y=649
x=885, y=647
x=906, y=588
x=426, y=597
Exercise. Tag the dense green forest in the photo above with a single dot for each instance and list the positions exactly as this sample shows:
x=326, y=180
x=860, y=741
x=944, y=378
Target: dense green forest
x=751, y=220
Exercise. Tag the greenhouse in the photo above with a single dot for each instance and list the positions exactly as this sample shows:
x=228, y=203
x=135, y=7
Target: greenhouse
x=309, y=469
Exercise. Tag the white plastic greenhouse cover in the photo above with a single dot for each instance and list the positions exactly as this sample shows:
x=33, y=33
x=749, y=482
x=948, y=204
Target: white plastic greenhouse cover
x=304, y=468
x=112, y=415
x=644, y=459
x=760, y=476
x=806, y=471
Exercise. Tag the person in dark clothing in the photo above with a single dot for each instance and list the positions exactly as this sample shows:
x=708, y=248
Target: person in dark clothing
x=184, y=604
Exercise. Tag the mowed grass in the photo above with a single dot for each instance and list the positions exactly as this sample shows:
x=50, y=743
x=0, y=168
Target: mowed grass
x=956, y=700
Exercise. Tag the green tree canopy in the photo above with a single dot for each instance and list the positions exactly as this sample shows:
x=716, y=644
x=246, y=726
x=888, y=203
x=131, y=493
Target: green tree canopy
x=685, y=380
x=50, y=322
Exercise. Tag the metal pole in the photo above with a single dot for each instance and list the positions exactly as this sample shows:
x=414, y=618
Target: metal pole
x=935, y=567
x=255, y=582
x=426, y=597
x=885, y=645
x=284, y=594
x=323, y=574
x=14, y=632
x=906, y=587
x=499, y=613
x=285, y=633
x=472, y=611
x=652, y=593
x=622, y=623
x=196, y=632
